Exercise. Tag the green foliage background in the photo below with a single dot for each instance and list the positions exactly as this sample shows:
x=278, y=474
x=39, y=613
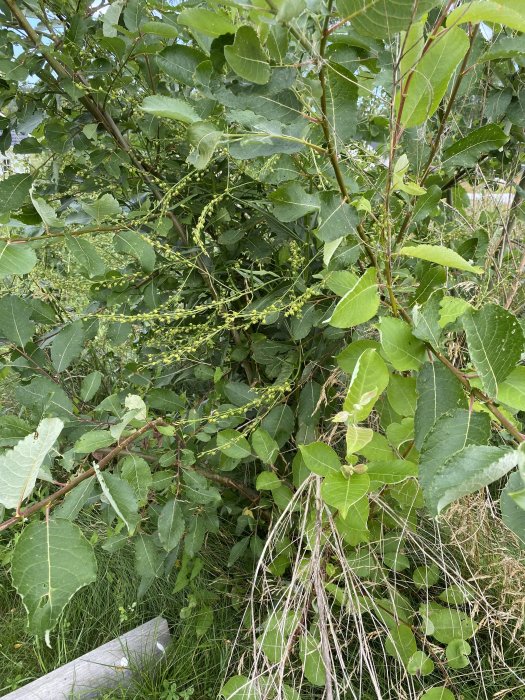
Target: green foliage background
x=244, y=290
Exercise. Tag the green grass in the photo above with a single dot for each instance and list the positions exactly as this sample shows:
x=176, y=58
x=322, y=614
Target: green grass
x=110, y=607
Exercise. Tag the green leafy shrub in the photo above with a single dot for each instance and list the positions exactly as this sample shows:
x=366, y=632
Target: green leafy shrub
x=286, y=320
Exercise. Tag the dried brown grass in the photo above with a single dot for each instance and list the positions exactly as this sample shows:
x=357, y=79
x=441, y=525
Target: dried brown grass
x=493, y=555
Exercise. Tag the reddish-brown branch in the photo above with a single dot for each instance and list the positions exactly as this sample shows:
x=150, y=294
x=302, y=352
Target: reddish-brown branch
x=479, y=395
x=441, y=129
x=472, y=391
x=104, y=462
x=228, y=482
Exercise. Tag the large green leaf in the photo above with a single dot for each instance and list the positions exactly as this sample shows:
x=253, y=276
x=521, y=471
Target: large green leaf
x=450, y=434
x=312, y=659
x=389, y=611
x=171, y=524
x=75, y=500
x=505, y=47
x=337, y=219
x=354, y=528
x=160, y=29
x=247, y=58
x=508, y=12
x=495, y=342
x=426, y=320
x=90, y=385
x=290, y=202
x=402, y=394
x=93, y=440
x=103, y=208
x=111, y=18
x=467, y=150
x=466, y=472
x=383, y=18
x=86, y=255
x=19, y=466
x=427, y=203
x=451, y=308
x=195, y=536
x=43, y=396
x=170, y=108
x=15, y=321
x=279, y=423
x=208, y=22
x=16, y=259
x=399, y=346
x=46, y=212
x=512, y=514
x=264, y=446
x=357, y=437
x=439, y=392
x=401, y=643
x=341, y=104
x=233, y=444
x=239, y=688
x=148, y=559
x=120, y=496
x=391, y=472
x=420, y=664
x=359, y=304
x=440, y=693
x=276, y=633
x=399, y=433
x=447, y=624
x=369, y=380
x=267, y=481
x=12, y=430
x=347, y=358
x=512, y=391
x=198, y=489
x=342, y=492
x=67, y=345
x=42, y=311
x=340, y=281
x=180, y=62
x=320, y=458
x=132, y=243
x=204, y=137
x=14, y=191
x=136, y=471
x=412, y=43
x=431, y=76
x=457, y=653
x=133, y=14
x=440, y=255
x=51, y=562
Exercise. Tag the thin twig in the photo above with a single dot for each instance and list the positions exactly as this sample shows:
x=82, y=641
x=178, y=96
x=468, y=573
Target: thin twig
x=103, y=464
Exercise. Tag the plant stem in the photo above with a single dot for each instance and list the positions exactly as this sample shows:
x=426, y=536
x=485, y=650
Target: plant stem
x=472, y=391
x=478, y=394
x=453, y=94
x=330, y=144
x=442, y=124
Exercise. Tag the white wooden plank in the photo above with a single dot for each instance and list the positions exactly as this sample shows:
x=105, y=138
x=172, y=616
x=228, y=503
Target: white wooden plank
x=101, y=669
